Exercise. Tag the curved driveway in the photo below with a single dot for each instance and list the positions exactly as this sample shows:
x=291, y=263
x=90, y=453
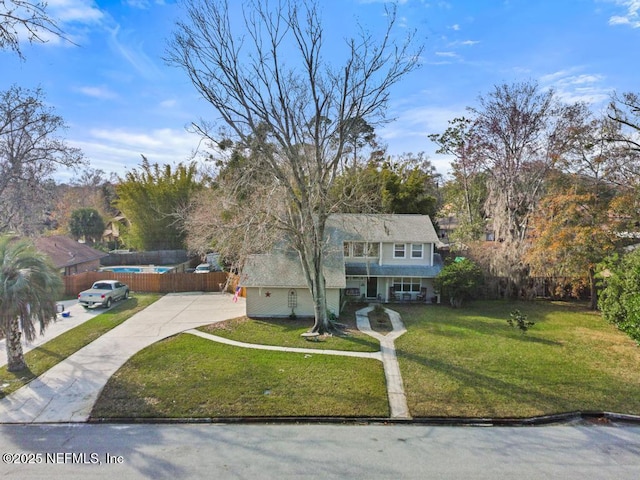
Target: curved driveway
x=68, y=391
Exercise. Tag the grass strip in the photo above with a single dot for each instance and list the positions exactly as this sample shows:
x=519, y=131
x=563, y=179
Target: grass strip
x=469, y=363
x=286, y=332
x=42, y=358
x=190, y=377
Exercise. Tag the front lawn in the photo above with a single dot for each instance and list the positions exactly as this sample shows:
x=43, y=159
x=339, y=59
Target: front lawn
x=190, y=377
x=469, y=363
x=286, y=332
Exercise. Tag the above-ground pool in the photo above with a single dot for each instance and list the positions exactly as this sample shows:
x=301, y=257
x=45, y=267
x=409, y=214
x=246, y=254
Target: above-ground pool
x=137, y=269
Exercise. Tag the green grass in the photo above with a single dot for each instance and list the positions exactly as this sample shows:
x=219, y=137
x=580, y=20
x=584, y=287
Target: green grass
x=190, y=377
x=286, y=332
x=470, y=363
x=42, y=358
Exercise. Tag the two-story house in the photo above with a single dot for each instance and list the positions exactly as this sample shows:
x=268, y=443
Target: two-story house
x=374, y=257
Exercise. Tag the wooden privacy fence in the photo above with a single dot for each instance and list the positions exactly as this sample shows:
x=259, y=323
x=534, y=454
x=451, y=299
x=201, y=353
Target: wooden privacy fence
x=150, y=282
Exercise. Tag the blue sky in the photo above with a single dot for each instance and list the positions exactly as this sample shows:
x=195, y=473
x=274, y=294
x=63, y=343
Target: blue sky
x=120, y=99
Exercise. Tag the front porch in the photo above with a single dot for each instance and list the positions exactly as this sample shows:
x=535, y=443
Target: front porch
x=391, y=290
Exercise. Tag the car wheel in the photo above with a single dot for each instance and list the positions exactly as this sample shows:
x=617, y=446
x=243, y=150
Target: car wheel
x=108, y=302
x=126, y=295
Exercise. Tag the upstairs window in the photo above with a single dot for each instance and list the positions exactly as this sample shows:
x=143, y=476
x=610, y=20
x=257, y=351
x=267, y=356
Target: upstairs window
x=358, y=249
x=399, y=250
x=417, y=250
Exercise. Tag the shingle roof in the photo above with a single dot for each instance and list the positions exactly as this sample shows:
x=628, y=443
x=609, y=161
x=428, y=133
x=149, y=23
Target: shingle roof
x=383, y=228
x=65, y=251
x=285, y=270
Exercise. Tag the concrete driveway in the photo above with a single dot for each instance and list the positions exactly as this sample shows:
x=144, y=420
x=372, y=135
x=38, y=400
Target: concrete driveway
x=68, y=391
x=77, y=315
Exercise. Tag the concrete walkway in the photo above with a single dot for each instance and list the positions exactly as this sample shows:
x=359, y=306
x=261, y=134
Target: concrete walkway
x=68, y=391
x=395, y=388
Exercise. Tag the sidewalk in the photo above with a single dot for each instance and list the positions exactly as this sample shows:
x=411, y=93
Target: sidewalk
x=68, y=391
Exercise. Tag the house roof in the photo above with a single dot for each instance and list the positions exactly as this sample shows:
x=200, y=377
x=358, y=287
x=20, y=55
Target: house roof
x=65, y=251
x=284, y=270
x=382, y=228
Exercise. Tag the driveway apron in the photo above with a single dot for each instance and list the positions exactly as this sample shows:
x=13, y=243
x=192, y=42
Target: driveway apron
x=68, y=391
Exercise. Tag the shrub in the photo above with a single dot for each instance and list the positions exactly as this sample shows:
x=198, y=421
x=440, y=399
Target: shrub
x=620, y=298
x=459, y=280
x=519, y=320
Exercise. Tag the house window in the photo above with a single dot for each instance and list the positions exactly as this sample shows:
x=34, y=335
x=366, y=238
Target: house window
x=347, y=249
x=373, y=250
x=358, y=249
x=417, y=250
x=406, y=284
x=399, y=250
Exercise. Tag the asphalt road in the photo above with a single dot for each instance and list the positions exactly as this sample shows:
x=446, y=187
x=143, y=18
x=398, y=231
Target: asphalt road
x=73, y=451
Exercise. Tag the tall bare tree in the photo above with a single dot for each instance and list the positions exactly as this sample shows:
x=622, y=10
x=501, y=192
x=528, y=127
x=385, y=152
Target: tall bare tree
x=518, y=136
x=24, y=20
x=30, y=151
x=279, y=98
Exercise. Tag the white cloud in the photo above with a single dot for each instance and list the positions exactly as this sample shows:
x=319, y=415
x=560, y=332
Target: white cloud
x=467, y=43
x=117, y=150
x=572, y=86
x=446, y=54
x=102, y=93
x=410, y=131
x=169, y=103
x=133, y=53
x=632, y=17
x=78, y=11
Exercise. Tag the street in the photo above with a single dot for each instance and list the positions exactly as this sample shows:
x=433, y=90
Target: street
x=319, y=451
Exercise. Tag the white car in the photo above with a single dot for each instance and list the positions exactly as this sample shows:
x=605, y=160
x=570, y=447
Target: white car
x=203, y=268
x=103, y=293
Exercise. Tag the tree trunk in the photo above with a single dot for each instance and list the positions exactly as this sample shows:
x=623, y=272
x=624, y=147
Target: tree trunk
x=15, y=355
x=319, y=293
x=593, y=303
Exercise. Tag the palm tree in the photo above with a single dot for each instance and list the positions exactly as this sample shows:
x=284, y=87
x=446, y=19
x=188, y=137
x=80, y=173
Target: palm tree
x=29, y=286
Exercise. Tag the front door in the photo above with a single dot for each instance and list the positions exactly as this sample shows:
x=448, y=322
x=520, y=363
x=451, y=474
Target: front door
x=372, y=287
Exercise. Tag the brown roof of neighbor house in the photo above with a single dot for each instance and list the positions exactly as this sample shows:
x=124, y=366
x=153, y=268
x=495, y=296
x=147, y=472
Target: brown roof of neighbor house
x=65, y=251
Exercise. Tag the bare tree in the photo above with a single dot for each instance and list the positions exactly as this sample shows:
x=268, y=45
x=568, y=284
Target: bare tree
x=280, y=99
x=25, y=20
x=517, y=139
x=624, y=110
x=29, y=152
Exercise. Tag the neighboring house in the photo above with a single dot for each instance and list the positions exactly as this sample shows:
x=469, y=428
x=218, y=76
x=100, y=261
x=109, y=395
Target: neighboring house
x=111, y=233
x=373, y=257
x=68, y=255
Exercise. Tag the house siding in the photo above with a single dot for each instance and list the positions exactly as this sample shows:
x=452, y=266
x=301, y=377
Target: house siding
x=387, y=257
x=276, y=304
